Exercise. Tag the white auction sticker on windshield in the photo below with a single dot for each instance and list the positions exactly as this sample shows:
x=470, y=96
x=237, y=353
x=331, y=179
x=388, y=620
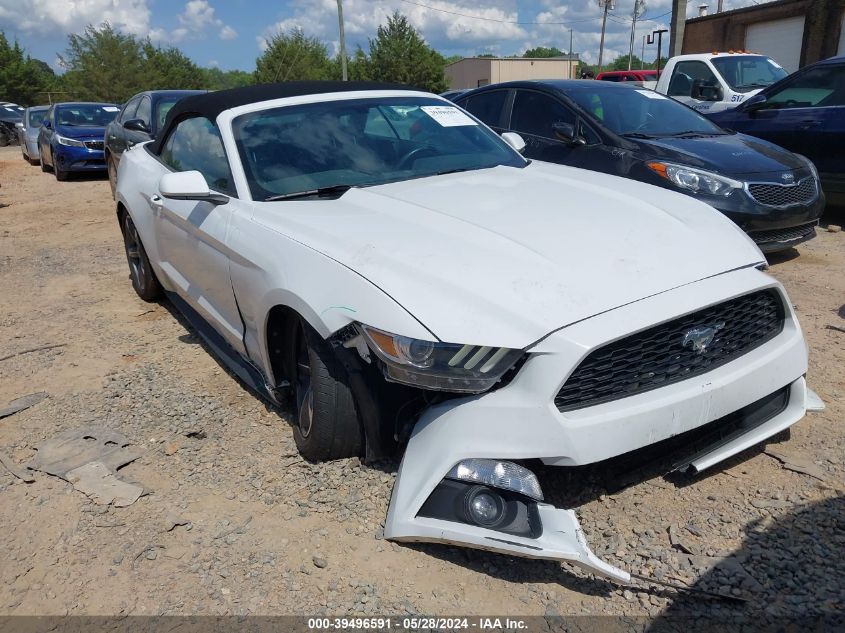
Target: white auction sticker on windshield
x=447, y=116
x=651, y=94
x=111, y=109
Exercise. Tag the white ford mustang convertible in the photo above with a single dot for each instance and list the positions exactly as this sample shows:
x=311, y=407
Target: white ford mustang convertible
x=401, y=278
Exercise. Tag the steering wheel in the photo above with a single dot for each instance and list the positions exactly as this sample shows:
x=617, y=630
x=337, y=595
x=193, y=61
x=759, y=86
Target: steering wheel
x=412, y=155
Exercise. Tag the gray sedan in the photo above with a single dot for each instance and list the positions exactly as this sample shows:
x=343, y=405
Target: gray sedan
x=28, y=132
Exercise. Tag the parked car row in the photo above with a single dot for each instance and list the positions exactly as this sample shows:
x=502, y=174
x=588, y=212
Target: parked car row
x=407, y=280
x=91, y=137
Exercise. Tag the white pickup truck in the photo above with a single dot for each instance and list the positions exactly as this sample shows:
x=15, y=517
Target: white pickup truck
x=711, y=82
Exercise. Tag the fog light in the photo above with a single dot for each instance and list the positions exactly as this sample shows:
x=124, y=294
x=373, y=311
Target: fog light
x=499, y=474
x=483, y=506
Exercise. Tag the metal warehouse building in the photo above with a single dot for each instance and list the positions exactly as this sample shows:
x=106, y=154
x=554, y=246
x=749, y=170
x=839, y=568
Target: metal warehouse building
x=472, y=72
x=792, y=32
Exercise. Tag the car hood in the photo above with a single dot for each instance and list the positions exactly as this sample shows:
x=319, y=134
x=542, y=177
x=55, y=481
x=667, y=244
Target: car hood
x=81, y=131
x=728, y=154
x=504, y=256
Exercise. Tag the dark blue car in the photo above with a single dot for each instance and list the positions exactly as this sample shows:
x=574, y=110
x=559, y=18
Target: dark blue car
x=624, y=130
x=71, y=137
x=805, y=113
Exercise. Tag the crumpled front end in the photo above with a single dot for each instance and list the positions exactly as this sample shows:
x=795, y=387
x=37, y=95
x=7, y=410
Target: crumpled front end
x=463, y=479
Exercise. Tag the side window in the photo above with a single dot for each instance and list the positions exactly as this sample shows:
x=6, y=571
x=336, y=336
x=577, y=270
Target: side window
x=487, y=106
x=687, y=72
x=819, y=87
x=535, y=113
x=144, y=111
x=129, y=110
x=196, y=144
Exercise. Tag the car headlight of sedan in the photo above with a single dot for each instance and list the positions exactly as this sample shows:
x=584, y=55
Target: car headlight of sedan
x=439, y=366
x=70, y=142
x=693, y=179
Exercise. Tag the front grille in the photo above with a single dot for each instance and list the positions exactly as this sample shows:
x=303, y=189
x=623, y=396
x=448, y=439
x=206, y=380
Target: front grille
x=773, y=194
x=94, y=144
x=784, y=235
x=674, y=351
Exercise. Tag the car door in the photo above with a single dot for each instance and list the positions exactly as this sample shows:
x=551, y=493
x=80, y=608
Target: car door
x=533, y=116
x=684, y=76
x=805, y=114
x=115, y=133
x=488, y=107
x=44, y=134
x=192, y=236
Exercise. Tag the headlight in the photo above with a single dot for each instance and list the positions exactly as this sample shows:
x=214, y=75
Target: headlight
x=440, y=366
x=71, y=142
x=810, y=165
x=696, y=180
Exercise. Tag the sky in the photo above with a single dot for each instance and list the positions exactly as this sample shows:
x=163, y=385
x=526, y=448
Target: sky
x=230, y=34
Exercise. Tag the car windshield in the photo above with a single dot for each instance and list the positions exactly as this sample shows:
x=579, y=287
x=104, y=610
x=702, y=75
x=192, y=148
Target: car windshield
x=163, y=107
x=640, y=112
x=9, y=110
x=748, y=72
x=35, y=117
x=361, y=142
x=86, y=114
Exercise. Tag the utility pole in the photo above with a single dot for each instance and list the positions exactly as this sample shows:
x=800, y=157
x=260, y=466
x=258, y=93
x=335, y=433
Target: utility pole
x=659, y=33
x=571, y=72
x=642, y=54
x=607, y=5
x=679, y=19
x=342, y=38
x=639, y=9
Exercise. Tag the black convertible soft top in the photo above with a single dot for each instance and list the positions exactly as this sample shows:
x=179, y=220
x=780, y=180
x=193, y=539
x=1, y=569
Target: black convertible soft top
x=212, y=104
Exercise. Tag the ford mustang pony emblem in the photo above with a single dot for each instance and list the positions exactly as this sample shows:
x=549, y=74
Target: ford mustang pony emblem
x=787, y=178
x=699, y=338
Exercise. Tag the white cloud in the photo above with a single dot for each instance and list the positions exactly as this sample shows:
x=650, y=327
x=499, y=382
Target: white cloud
x=195, y=20
x=228, y=33
x=50, y=16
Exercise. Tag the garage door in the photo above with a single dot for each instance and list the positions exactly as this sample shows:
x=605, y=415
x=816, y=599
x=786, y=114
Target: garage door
x=779, y=39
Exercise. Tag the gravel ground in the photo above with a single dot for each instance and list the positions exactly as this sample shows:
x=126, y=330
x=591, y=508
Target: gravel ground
x=259, y=531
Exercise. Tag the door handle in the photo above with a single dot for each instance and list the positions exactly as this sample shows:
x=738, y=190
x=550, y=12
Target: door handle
x=808, y=123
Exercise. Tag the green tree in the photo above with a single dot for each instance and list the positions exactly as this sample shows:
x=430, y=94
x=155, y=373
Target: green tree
x=103, y=64
x=543, y=51
x=398, y=53
x=21, y=77
x=291, y=56
x=169, y=68
x=216, y=79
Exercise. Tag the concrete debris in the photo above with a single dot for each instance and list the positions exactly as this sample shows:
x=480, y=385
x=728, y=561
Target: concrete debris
x=797, y=463
x=24, y=402
x=10, y=465
x=102, y=486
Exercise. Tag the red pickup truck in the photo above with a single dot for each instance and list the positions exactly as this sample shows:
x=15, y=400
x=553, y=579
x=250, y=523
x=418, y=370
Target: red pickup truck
x=628, y=75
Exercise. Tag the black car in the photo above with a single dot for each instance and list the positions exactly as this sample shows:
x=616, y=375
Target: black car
x=10, y=115
x=618, y=129
x=139, y=120
x=805, y=113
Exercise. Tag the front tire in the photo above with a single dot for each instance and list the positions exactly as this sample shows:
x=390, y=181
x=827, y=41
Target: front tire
x=326, y=421
x=140, y=271
x=61, y=174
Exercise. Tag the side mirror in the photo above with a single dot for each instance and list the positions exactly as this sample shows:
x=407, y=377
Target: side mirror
x=566, y=132
x=514, y=140
x=46, y=123
x=705, y=91
x=136, y=125
x=189, y=185
x=754, y=103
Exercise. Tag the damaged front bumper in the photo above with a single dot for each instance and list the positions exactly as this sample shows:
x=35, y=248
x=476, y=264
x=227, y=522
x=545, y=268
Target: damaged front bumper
x=745, y=402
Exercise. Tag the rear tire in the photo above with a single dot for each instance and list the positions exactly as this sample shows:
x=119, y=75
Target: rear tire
x=326, y=422
x=140, y=271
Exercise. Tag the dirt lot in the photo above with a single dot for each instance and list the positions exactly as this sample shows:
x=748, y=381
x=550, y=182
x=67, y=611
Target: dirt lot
x=268, y=533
